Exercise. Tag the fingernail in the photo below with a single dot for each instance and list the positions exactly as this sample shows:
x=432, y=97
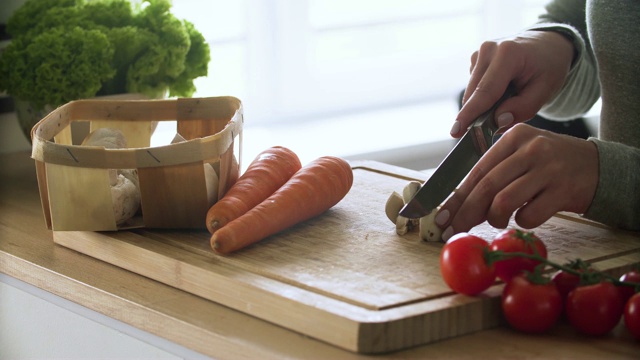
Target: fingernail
x=442, y=217
x=504, y=119
x=448, y=233
x=455, y=128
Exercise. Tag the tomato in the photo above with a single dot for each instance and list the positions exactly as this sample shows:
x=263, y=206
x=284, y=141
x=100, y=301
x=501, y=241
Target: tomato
x=632, y=315
x=594, y=309
x=632, y=276
x=531, y=307
x=565, y=282
x=514, y=240
x=463, y=266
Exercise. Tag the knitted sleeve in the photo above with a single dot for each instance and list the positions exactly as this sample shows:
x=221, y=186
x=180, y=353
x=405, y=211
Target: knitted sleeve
x=581, y=89
x=617, y=198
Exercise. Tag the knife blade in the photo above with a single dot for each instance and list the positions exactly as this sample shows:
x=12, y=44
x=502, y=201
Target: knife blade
x=457, y=164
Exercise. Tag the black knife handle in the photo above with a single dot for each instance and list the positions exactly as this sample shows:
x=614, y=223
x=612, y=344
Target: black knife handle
x=485, y=127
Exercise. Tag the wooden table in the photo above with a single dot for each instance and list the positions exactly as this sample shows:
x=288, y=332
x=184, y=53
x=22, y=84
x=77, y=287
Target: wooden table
x=28, y=253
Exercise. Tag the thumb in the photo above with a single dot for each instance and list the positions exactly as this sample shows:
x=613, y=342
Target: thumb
x=521, y=107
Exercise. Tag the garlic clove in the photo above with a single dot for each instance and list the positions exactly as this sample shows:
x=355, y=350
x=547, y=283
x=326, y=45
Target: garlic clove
x=212, y=182
x=402, y=225
x=429, y=231
x=393, y=206
x=132, y=175
x=410, y=191
x=126, y=199
x=106, y=137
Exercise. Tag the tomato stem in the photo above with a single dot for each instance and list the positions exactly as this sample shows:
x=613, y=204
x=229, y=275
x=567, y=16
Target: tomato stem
x=576, y=267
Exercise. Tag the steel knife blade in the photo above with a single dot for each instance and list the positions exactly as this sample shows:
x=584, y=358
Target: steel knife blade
x=457, y=164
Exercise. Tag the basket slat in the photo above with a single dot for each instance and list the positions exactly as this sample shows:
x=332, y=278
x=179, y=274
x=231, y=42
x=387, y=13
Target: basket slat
x=174, y=196
x=212, y=147
x=128, y=110
x=229, y=166
x=41, y=174
x=196, y=108
x=80, y=198
x=64, y=136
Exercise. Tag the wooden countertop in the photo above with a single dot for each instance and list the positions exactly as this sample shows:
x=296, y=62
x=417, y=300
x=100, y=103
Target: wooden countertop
x=28, y=253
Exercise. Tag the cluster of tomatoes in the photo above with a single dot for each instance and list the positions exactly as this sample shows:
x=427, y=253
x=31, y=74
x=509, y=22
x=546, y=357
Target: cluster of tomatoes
x=533, y=300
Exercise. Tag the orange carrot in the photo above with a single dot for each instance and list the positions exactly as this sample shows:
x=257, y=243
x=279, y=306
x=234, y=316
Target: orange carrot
x=266, y=173
x=311, y=191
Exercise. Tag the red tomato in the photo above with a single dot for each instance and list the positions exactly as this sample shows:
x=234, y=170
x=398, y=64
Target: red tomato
x=565, y=282
x=514, y=240
x=594, y=309
x=632, y=276
x=529, y=307
x=632, y=315
x=463, y=266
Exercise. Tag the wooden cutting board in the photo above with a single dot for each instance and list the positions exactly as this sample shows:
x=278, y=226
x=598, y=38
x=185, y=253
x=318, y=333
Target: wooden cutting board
x=345, y=277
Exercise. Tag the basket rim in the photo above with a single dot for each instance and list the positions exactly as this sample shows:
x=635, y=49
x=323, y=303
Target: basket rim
x=193, y=150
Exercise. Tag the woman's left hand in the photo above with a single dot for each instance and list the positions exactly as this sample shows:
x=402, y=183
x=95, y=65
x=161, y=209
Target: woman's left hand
x=532, y=172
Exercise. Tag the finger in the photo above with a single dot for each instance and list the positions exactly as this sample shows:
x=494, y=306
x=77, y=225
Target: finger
x=514, y=195
x=533, y=185
x=526, y=104
x=474, y=61
x=503, y=149
x=505, y=67
x=446, y=215
x=535, y=212
x=472, y=80
x=449, y=209
x=480, y=61
x=487, y=92
x=481, y=199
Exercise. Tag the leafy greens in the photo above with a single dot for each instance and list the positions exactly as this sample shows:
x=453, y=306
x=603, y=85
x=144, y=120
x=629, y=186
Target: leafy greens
x=62, y=50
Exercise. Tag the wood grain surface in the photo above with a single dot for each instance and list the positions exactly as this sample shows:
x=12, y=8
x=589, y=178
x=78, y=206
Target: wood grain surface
x=345, y=277
x=28, y=253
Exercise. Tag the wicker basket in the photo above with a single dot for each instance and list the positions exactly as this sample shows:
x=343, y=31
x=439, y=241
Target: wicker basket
x=74, y=180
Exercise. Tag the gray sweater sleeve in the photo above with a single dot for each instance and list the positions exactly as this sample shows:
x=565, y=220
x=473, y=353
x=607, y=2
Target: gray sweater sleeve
x=597, y=72
x=617, y=199
x=582, y=88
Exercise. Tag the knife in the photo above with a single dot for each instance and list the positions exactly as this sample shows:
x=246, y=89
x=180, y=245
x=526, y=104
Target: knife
x=457, y=164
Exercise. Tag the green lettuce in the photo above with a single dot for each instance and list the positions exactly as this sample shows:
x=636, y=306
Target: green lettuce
x=62, y=50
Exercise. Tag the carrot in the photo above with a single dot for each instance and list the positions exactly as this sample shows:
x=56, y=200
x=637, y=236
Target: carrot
x=266, y=173
x=311, y=191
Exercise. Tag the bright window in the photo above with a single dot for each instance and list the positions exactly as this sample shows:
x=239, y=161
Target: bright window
x=368, y=67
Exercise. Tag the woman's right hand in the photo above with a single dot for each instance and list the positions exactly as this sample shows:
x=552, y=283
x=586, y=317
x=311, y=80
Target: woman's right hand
x=537, y=62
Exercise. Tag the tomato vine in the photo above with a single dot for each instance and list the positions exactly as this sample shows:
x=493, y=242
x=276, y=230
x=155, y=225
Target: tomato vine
x=538, y=290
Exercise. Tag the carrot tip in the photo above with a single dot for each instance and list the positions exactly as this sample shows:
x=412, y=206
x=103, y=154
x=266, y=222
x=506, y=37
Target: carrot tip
x=215, y=245
x=217, y=248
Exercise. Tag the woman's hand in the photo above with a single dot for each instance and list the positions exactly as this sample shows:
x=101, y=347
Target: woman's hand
x=530, y=171
x=537, y=62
